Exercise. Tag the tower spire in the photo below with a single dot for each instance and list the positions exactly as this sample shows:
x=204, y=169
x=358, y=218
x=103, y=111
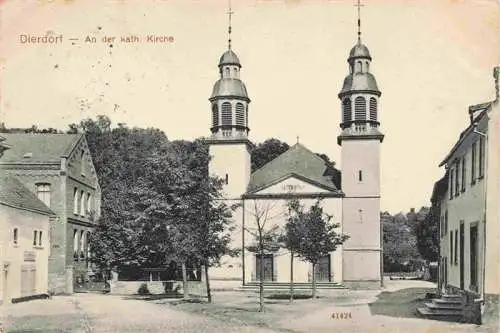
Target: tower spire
x=230, y=14
x=359, y=5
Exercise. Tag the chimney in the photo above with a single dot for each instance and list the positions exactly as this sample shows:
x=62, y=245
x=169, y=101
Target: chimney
x=496, y=75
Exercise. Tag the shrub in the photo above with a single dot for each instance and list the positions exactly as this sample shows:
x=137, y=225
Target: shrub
x=143, y=290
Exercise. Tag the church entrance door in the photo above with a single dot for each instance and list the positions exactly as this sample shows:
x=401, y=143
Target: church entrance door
x=268, y=266
x=323, y=269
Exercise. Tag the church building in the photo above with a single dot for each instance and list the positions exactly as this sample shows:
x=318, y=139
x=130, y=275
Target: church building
x=262, y=196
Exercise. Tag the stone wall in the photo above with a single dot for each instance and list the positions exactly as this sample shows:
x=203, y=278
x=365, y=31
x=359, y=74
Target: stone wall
x=156, y=287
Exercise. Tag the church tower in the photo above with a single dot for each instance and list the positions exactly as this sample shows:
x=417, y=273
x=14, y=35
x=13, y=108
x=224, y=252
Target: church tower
x=360, y=140
x=229, y=146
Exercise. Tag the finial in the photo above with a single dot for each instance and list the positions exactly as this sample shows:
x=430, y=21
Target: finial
x=297, y=139
x=230, y=13
x=359, y=5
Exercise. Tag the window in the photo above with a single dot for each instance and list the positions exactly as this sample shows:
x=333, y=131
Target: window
x=82, y=244
x=359, y=108
x=240, y=114
x=40, y=238
x=82, y=163
x=360, y=66
x=89, y=202
x=82, y=203
x=347, y=111
x=75, y=244
x=451, y=183
x=457, y=179
x=43, y=193
x=456, y=247
x=446, y=222
x=227, y=117
x=215, y=115
x=246, y=116
x=463, y=174
x=360, y=175
x=481, y=157
x=373, y=109
x=35, y=238
x=451, y=245
x=473, y=164
x=228, y=71
x=15, y=236
x=75, y=201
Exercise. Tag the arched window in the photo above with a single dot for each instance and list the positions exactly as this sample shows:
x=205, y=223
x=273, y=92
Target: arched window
x=215, y=115
x=228, y=72
x=75, y=201
x=360, y=66
x=227, y=116
x=82, y=163
x=82, y=244
x=240, y=114
x=82, y=203
x=43, y=193
x=75, y=244
x=367, y=64
x=373, y=109
x=360, y=108
x=89, y=202
x=346, y=109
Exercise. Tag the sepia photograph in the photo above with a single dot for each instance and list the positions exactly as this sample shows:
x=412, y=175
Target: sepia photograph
x=249, y=166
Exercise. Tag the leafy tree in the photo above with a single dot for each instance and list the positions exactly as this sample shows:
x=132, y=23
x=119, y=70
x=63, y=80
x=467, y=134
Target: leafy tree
x=266, y=151
x=311, y=235
x=427, y=233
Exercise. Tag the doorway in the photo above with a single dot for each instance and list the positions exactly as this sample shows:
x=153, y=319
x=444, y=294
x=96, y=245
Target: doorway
x=267, y=264
x=473, y=256
x=462, y=249
x=323, y=269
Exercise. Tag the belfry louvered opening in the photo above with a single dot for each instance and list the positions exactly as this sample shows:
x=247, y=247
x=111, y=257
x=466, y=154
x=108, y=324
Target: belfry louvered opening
x=227, y=116
x=215, y=115
x=347, y=109
x=373, y=109
x=240, y=114
x=360, y=108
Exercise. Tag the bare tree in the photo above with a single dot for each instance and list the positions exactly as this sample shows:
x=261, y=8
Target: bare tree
x=266, y=235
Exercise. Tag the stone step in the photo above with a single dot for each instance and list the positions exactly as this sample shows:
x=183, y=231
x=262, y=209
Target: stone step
x=437, y=306
x=452, y=297
x=443, y=301
x=442, y=314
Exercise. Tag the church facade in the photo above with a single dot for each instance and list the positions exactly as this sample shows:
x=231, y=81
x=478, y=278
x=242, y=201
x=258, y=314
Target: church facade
x=352, y=199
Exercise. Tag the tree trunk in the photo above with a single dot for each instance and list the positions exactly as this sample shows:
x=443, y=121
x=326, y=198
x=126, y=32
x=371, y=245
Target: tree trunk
x=291, y=276
x=261, y=281
x=184, y=281
x=314, y=281
x=207, y=281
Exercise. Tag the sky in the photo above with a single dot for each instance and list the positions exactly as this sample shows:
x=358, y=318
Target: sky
x=431, y=59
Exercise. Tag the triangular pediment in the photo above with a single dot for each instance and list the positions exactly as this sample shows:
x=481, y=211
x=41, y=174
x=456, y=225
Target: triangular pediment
x=294, y=184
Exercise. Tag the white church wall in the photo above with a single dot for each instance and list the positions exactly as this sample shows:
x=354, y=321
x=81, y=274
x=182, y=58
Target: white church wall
x=276, y=210
x=232, y=160
x=361, y=156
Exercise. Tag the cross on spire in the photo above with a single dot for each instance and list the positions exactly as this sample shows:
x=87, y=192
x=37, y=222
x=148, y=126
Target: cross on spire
x=297, y=139
x=230, y=14
x=359, y=5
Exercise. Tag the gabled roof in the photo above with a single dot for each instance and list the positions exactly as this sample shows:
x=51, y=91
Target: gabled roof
x=13, y=193
x=440, y=188
x=296, y=161
x=38, y=147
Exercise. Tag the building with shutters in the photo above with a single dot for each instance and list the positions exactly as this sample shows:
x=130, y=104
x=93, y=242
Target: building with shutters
x=24, y=242
x=58, y=169
x=353, y=199
x=466, y=201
